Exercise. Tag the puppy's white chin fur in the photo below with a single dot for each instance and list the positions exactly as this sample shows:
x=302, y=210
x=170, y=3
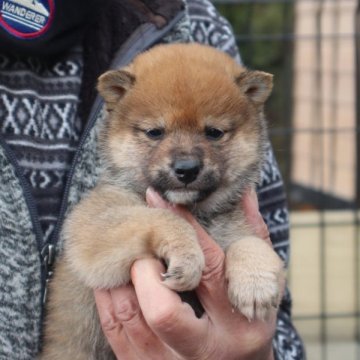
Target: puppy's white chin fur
x=182, y=197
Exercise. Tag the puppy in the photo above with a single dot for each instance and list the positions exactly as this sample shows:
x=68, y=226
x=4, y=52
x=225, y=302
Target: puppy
x=188, y=121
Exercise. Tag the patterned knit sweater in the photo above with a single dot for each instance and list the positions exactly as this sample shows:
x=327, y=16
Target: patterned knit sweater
x=48, y=158
x=41, y=125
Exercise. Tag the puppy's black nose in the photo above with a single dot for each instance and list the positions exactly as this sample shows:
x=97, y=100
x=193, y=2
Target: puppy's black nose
x=187, y=170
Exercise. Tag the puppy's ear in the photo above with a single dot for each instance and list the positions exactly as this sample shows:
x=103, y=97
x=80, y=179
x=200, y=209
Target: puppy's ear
x=113, y=85
x=257, y=85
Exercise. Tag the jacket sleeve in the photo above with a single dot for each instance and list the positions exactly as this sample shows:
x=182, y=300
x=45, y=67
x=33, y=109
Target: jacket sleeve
x=208, y=27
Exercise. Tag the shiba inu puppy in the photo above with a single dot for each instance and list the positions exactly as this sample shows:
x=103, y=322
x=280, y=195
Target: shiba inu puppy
x=188, y=121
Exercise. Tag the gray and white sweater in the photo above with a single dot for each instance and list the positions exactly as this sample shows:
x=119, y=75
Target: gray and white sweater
x=48, y=160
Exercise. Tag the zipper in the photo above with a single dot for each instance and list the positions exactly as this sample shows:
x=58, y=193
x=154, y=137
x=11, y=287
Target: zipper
x=48, y=260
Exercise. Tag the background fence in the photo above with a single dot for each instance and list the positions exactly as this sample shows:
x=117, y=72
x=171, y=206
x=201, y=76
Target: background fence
x=313, y=49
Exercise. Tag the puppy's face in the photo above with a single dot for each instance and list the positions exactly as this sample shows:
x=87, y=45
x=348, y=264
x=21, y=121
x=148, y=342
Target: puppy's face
x=186, y=120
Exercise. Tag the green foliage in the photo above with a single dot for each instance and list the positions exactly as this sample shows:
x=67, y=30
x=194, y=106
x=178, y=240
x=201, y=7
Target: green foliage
x=260, y=30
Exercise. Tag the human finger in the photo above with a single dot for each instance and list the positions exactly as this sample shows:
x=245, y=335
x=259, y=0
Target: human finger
x=212, y=290
x=253, y=216
x=142, y=339
x=111, y=327
x=172, y=320
x=124, y=326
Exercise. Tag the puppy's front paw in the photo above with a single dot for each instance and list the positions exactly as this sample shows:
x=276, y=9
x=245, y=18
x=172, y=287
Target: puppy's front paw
x=175, y=241
x=254, y=294
x=184, y=271
x=255, y=275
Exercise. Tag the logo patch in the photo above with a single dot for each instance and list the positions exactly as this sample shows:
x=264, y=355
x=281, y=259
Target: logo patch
x=26, y=18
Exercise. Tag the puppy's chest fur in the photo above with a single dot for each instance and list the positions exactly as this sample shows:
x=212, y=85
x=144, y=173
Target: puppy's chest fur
x=225, y=228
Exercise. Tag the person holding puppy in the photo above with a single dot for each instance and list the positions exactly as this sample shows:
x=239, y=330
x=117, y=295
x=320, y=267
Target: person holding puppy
x=49, y=65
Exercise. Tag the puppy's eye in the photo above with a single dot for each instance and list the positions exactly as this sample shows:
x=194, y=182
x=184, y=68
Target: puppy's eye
x=213, y=133
x=155, y=134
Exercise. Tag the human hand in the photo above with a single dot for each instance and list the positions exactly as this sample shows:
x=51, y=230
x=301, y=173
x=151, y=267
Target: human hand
x=146, y=320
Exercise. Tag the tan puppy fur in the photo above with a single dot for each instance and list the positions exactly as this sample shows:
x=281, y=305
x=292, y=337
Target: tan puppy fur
x=187, y=121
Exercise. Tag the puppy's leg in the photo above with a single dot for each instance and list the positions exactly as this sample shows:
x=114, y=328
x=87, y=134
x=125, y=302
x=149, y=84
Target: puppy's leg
x=104, y=235
x=255, y=274
x=103, y=239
